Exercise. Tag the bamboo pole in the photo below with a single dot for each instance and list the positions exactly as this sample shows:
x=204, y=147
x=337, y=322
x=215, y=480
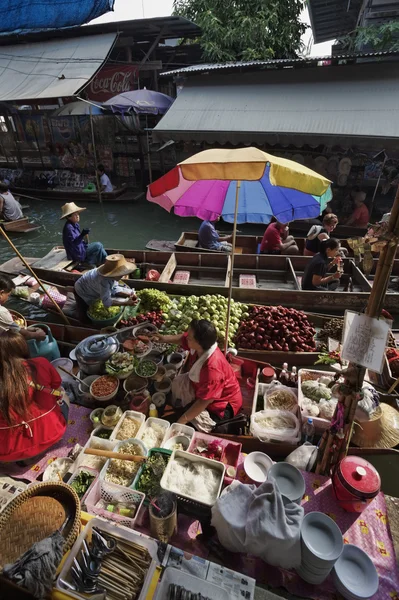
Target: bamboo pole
x=333, y=447
x=21, y=258
x=93, y=139
x=226, y=342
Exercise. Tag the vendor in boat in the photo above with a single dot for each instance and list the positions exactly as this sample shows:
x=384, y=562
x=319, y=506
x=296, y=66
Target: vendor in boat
x=316, y=275
x=33, y=406
x=361, y=215
x=74, y=240
x=318, y=233
x=6, y=320
x=105, y=182
x=277, y=240
x=102, y=283
x=209, y=391
x=10, y=209
x=209, y=238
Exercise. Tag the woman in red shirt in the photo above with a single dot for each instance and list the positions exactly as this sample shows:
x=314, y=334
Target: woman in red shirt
x=210, y=389
x=33, y=411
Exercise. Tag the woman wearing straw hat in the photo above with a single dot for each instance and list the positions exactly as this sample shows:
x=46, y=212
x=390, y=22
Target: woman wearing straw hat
x=102, y=283
x=75, y=245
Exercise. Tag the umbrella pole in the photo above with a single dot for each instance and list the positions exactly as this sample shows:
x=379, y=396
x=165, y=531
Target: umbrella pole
x=226, y=343
x=21, y=258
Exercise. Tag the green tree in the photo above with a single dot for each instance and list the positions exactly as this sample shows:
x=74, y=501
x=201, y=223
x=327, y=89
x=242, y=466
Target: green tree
x=246, y=29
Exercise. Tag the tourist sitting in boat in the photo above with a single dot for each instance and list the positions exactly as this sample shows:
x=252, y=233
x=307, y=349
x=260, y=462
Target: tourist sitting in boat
x=209, y=238
x=6, y=320
x=74, y=240
x=316, y=275
x=361, y=215
x=209, y=392
x=105, y=182
x=33, y=406
x=277, y=240
x=10, y=209
x=318, y=233
x=102, y=284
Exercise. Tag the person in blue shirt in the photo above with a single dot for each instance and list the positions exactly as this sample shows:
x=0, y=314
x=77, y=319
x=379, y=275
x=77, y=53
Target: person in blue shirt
x=75, y=244
x=209, y=238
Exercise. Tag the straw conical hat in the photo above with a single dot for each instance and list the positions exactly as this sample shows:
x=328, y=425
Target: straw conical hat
x=380, y=431
x=69, y=209
x=116, y=265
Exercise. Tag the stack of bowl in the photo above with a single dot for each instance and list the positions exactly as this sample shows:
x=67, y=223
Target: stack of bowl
x=321, y=547
x=355, y=575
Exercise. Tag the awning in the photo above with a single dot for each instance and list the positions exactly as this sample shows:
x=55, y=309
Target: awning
x=354, y=105
x=52, y=69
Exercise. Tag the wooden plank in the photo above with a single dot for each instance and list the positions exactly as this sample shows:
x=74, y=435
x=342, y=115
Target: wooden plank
x=359, y=277
x=293, y=274
x=14, y=266
x=228, y=272
x=55, y=260
x=168, y=271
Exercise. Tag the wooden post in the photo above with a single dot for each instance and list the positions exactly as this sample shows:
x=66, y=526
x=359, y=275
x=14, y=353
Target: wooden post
x=93, y=139
x=3, y=233
x=333, y=447
x=226, y=343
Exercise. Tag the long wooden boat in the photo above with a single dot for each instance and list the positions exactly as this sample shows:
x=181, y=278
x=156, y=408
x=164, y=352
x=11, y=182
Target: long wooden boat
x=245, y=244
x=342, y=231
x=19, y=226
x=67, y=338
x=277, y=279
x=122, y=194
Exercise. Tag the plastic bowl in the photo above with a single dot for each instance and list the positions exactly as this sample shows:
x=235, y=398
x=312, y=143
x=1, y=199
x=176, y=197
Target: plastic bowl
x=109, y=396
x=289, y=481
x=65, y=363
x=155, y=356
x=135, y=384
x=95, y=416
x=171, y=371
x=176, y=358
x=177, y=439
x=84, y=390
x=106, y=322
x=154, y=368
x=257, y=466
x=163, y=386
x=160, y=374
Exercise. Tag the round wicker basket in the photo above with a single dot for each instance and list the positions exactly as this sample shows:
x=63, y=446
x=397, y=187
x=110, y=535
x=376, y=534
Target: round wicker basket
x=17, y=315
x=36, y=514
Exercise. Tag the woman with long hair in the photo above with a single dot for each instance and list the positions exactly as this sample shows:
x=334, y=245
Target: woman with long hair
x=33, y=406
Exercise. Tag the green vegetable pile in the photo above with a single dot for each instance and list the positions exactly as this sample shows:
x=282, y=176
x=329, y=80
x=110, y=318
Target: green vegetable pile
x=151, y=475
x=98, y=311
x=210, y=307
x=82, y=483
x=104, y=434
x=146, y=368
x=153, y=300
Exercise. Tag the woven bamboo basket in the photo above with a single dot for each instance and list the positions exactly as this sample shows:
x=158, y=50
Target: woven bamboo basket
x=36, y=514
x=17, y=315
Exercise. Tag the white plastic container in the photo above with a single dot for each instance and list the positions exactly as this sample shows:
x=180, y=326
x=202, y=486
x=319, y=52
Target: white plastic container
x=194, y=458
x=117, y=447
x=93, y=472
x=164, y=424
x=320, y=424
x=120, y=533
x=189, y=583
x=132, y=414
x=101, y=443
x=178, y=429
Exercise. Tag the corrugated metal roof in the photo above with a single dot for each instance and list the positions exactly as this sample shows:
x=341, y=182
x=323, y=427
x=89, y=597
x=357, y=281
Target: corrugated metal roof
x=316, y=106
x=51, y=69
x=331, y=19
x=310, y=61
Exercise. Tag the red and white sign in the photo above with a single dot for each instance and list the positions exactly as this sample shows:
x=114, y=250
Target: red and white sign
x=111, y=81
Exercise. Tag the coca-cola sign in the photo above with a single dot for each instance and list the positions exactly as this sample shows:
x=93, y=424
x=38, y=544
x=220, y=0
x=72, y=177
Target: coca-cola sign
x=111, y=81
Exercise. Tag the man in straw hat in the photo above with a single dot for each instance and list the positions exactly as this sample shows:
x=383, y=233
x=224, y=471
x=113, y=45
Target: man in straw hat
x=74, y=241
x=102, y=283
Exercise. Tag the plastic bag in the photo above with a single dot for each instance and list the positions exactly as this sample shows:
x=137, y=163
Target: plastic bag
x=304, y=457
x=281, y=397
x=285, y=429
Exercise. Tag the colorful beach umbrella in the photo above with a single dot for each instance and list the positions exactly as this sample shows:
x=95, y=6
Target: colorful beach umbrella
x=145, y=102
x=244, y=185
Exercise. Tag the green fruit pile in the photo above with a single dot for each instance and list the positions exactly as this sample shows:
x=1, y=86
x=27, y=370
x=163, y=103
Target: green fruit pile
x=101, y=313
x=152, y=299
x=210, y=307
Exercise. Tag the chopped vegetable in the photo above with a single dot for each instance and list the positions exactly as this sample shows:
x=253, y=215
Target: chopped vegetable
x=151, y=475
x=146, y=368
x=82, y=482
x=122, y=472
x=128, y=429
x=120, y=363
x=104, y=434
x=212, y=450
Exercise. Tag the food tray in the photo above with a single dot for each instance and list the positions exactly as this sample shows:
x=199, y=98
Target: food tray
x=157, y=421
x=191, y=583
x=103, y=490
x=128, y=413
x=102, y=443
x=178, y=429
x=116, y=449
x=319, y=423
x=194, y=458
x=153, y=451
x=116, y=532
x=136, y=331
x=198, y=436
x=86, y=470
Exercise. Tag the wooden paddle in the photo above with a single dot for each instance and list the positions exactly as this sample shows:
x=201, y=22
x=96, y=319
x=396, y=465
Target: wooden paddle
x=118, y=455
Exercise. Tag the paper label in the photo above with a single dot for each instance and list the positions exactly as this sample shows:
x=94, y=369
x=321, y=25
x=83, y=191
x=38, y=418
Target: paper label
x=364, y=340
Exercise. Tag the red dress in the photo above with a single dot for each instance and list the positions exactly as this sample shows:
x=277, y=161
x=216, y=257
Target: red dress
x=217, y=382
x=42, y=427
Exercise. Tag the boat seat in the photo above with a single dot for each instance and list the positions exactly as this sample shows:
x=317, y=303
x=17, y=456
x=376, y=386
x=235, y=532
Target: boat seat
x=191, y=243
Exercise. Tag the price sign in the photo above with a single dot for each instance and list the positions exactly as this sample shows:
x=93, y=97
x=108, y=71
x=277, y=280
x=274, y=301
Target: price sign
x=365, y=340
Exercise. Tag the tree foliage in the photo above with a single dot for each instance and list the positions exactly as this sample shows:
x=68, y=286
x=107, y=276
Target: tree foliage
x=246, y=29
x=382, y=37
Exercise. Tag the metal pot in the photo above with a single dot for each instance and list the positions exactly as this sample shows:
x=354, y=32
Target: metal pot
x=93, y=352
